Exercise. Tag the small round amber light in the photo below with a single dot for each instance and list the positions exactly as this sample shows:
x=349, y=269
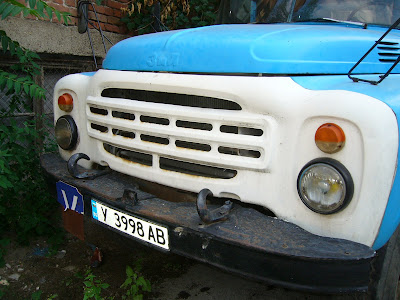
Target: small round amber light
x=330, y=138
x=66, y=102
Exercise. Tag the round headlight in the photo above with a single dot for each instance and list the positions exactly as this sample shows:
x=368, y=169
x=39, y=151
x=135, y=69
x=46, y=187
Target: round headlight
x=66, y=132
x=325, y=186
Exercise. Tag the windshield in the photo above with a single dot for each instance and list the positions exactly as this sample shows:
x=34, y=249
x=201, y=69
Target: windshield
x=384, y=12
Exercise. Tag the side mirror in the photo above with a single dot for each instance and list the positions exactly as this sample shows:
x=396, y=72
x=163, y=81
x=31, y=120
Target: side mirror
x=82, y=16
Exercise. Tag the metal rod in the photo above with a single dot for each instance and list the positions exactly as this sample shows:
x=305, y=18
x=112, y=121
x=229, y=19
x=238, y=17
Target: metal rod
x=101, y=31
x=91, y=46
x=382, y=77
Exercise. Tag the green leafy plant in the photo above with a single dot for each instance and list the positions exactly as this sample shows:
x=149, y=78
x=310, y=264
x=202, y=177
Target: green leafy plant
x=19, y=85
x=38, y=9
x=3, y=244
x=26, y=208
x=174, y=14
x=27, y=66
x=93, y=287
x=36, y=295
x=135, y=285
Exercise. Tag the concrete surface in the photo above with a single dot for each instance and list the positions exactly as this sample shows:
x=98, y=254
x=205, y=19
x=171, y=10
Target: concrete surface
x=46, y=37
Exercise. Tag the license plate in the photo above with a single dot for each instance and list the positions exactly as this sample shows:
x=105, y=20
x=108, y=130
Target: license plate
x=143, y=230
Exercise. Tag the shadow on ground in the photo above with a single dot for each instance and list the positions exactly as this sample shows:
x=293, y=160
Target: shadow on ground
x=30, y=272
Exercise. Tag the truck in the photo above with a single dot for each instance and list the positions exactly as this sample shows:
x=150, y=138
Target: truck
x=266, y=145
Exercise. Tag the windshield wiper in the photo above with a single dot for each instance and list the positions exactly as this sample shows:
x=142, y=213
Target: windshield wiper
x=364, y=25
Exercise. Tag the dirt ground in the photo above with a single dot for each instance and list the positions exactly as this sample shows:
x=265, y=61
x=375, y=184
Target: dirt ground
x=30, y=272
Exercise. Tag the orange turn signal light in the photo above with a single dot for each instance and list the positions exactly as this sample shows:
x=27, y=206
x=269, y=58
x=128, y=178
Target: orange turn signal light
x=66, y=102
x=330, y=138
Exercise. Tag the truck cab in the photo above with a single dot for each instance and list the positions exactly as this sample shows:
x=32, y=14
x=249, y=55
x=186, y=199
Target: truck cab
x=266, y=145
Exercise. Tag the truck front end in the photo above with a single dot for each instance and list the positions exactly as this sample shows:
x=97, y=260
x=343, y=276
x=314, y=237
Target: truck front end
x=245, y=146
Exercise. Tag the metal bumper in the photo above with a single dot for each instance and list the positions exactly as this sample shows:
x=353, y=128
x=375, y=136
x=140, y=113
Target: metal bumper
x=247, y=243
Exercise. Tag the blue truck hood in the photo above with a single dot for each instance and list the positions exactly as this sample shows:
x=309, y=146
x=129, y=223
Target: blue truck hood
x=257, y=48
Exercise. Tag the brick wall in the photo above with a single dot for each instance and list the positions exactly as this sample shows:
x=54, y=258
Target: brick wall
x=109, y=13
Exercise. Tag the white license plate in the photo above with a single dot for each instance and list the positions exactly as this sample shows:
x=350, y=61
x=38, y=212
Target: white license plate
x=143, y=230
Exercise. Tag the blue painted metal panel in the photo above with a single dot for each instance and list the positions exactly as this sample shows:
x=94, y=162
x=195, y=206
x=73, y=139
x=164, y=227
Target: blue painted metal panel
x=88, y=73
x=387, y=91
x=253, y=48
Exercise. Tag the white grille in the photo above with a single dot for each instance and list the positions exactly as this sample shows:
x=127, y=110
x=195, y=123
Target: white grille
x=166, y=134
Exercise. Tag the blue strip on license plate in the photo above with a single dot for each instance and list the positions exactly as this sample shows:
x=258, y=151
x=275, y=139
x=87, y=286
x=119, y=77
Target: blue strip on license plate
x=143, y=230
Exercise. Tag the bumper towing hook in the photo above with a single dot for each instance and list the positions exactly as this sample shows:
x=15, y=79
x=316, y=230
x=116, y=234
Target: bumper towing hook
x=207, y=216
x=73, y=168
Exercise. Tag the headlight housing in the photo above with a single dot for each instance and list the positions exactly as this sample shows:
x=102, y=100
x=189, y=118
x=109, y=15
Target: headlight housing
x=66, y=132
x=325, y=186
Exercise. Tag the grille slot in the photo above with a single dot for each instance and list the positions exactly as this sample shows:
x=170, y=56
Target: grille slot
x=388, y=43
x=240, y=152
x=194, y=125
x=193, y=146
x=387, y=60
x=123, y=133
x=98, y=111
x=99, y=127
x=388, y=52
x=171, y=98
x=241, y=130
x=154, y=120
x=196, y=169
x=171, y=164
x=388, y=48
x=123, y=115
x=133, y=156
x=154, y=139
